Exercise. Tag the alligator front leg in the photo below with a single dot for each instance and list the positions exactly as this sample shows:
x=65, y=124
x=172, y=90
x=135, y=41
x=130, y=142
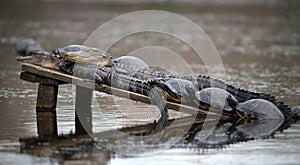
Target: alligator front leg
x=158, y=98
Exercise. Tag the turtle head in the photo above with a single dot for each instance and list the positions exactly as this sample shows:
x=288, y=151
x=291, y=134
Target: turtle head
x=43, y=59
x=55, y=51
x=247, y=114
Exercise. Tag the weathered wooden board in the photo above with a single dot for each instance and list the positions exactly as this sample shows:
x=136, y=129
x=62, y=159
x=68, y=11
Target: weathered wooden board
x=65, y=78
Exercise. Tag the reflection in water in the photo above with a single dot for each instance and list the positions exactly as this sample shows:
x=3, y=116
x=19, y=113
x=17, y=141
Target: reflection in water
x=140, y=140
x=67, y=149
x=260, y=128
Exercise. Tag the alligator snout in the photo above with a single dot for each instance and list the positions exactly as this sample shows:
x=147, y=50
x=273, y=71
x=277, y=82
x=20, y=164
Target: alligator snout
x=23, y=58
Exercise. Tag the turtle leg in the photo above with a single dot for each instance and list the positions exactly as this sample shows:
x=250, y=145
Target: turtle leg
x=158, y=98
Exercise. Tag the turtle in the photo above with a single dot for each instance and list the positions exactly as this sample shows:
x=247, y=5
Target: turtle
x=27, y=47
x=177, y=90
x=83, y=54
x=296, y=111
x=259, y=109
x=217, y=98
x=131, y=61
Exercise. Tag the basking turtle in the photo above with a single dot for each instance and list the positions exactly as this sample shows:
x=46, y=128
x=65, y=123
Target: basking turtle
x=259, y=109
x=83, y=54
x=296, y=111
x=27, y=47
x=178, y=90
x=217, y=98
x=131, y=61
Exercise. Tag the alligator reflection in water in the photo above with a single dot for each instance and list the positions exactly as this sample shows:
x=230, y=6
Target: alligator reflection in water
x=67, y=148
x=140, y=140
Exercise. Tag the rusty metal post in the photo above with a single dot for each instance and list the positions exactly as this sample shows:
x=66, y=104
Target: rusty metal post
x=83, y=111
x=45, y=110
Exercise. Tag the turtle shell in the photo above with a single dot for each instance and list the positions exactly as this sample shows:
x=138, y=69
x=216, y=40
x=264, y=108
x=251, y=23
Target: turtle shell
x=296, y=111
x=83, y=54
x=216, y=97
x=179, y=86
x=260, y=109
x=131, y=61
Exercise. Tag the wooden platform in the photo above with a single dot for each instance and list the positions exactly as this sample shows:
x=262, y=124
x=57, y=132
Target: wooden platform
x=49, y=81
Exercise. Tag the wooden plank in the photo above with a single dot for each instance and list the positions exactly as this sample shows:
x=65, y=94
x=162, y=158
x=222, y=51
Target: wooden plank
x=39, y=79
x=45, y=72
x=38, y=70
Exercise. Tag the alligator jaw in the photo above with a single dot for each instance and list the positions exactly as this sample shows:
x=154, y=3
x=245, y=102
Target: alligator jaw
x=43, y=59
x=24, y=58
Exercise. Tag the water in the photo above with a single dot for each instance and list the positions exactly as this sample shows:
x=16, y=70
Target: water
x=258, y=43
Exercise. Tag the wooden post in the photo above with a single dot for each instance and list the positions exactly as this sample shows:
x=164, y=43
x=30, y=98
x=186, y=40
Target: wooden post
x=83, y=110
x=45, y=104
x=45, y=110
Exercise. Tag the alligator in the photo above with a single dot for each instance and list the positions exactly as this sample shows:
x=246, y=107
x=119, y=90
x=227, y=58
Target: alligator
x=144, y=76
x=201, y=81
x=152, y=87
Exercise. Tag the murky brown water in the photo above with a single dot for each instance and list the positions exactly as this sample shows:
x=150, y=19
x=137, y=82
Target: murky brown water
x=259, y=44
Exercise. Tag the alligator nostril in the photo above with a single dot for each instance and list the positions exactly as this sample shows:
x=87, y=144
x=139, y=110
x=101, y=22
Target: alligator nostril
x=55, y=51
